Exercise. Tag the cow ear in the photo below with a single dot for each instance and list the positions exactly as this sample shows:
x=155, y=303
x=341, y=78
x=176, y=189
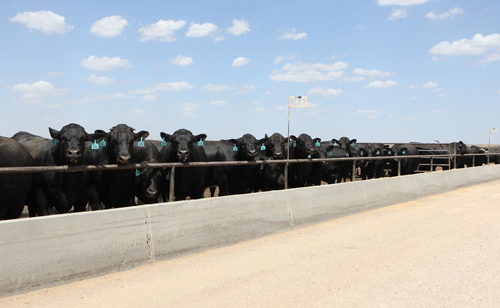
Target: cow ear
x=354, y=141
x=167, y=137
x=335, y=140
x=142, y=134
x=386, y=146
x=316, y=140
x=263, y=140
x=234, y=141
x=97, y=135
x=55, y=134
x=293, y=138
x=330, y=148
x=265, y=136
x=201, y=137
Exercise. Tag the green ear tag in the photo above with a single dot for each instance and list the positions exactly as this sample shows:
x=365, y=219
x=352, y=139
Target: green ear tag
x=404, y=152
x=317, y=144
x=346, y=154
x=167, y=177
x=330, y=153
x=53, y=141
x=163, y=143
x=378, y=152
x=103, y=143
x=235, y=148
x=140, y=143
x=309, y=156
x=201, y=143
x=295, y=144
x=95, y=146
x=137, y=172
x=263, y=147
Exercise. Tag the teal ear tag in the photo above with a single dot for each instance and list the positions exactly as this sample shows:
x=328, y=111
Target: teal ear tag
x=263, y=147
x=103, y=143
x=295, y=144
x=95, y=146
x=309, y=156
x=353, y=144
x=335, y=144
x=163, y=143
x=235, y=148
x=389, y=152
x=346, y=154
x=167, y=177
x=140, y=143
x=261, y=167
x=330, y=153
x=53, y=141
x=201, y=143
x=378, y=152
x=404, y=152
x=137, y=172
x=361, y=153
x=317, y=144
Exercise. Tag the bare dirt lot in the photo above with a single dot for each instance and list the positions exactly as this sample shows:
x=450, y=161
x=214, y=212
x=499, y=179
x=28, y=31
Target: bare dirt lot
x=440, y=251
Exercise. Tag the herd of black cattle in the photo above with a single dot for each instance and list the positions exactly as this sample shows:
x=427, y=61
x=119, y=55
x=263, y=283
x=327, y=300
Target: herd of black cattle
x=72, y=145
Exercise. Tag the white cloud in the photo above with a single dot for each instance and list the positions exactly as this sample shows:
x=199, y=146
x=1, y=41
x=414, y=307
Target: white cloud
x=489, y=58
x=306, y=76
x=118, y=95
x=182, y=61
x=268, y=93
x=300, y=66
x=498, y=91
x=438, y=59
x=156, y=66
x=360, y=27
x=413, y=86
x=291, y=35
x=239, y=27
x=52, y=106
x=36, y=91
x=219, y=102
x=137, y=111
x=438, y=90
x=478, y=45
x=431, y=84
x=315, y=109
x=167, y=86
x=401, y=2
x=149, y=98
x=381, y=84
x=190, y=109
x=280, y=59
x=240, y=61
x=54, y=74
x=413, y=98
x=398, y=14
x=46, y=22
x=371, y=73
x=163, y=30
x=444, y=95
x=201, y=30
x=436, y=111
x=109, y=27
x=279, y=108
x=329, y=93
x=260, y=108
x=448, y=15
x=104, y=63
x=370, y=114
x=354, y=79
x=215, y=87
x=100, y=80
x=245, y=89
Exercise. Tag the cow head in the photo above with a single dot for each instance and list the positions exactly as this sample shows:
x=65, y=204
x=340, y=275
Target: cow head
x=304, y=146
x=247, y=146
x=182, y=141
x=272, y=174
x=275, y=146
x=121, y=142
x=148, y=180
x=461, y=148
x=71, y=143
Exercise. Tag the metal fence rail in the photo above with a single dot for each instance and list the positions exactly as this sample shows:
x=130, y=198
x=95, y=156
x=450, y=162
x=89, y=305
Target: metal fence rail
x=173, y=166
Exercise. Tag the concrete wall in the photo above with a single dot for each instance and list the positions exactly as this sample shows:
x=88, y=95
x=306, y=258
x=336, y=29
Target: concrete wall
x=45, y=251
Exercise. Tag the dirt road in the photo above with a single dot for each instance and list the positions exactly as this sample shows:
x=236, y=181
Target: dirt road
x=441, y=251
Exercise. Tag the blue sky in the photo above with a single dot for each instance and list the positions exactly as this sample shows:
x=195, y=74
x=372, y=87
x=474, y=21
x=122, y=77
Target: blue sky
x=375, y=70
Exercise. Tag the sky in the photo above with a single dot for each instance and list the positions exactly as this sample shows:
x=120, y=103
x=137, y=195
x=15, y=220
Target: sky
x=375, y=70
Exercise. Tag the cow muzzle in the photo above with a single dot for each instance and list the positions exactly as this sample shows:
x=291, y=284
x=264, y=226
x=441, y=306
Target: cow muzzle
x=182, y=155
x=73, y=157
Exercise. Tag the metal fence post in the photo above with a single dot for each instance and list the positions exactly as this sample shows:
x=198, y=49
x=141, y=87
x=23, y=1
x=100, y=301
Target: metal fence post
x=171, y=194
x=353, y=175
x=399, y=166
x=454, y=155
x=432, y=163
x=286, y=175
x=488, y=158
x=473, y=161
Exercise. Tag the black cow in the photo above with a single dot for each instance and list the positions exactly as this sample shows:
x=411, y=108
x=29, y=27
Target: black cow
x=408, y=165
x=335, y=172
x=372, y=168
x=478, y=160
x=233, y=179
x=274, y=146
x=185, y=148
x=302, y=147
x=350, y=147
x=494, y=153
x=14, y=188
x=60, y=190
x=113, y=188
x=269, y=176
x=148, y=182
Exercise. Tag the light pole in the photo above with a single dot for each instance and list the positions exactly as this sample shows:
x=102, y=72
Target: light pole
x=293, y=102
